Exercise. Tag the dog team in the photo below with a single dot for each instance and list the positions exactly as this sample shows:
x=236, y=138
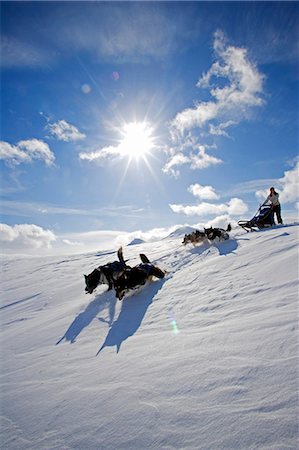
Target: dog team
x=123, y=278
x=210, y=234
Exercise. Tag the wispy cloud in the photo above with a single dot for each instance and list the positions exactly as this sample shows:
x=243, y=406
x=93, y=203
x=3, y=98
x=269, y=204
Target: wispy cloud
x=188, y=152
x=25, y=152
x=230, y=102
x=27, y=209
x=115, y=32
x=136, y=32
x=235, y=86
x=19, y=53
x=175, y=160
x=249, y=187
x=64, y=131
x=103, y=155
x=219, y=130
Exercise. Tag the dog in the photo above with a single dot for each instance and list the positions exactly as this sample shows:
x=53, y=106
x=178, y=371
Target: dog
x=194, y=238
x=136, y=276
x=106, y=274
x=213, y=233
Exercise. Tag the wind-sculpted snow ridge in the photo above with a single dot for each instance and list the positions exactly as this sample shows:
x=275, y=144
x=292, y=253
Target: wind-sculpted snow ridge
x=205, y=358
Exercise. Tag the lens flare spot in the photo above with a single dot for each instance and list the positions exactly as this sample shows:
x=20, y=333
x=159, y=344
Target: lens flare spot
x=115, y=76
x=174, y=325
x=86, y=89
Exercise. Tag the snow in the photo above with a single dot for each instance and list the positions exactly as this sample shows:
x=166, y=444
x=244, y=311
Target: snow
x=203, y=359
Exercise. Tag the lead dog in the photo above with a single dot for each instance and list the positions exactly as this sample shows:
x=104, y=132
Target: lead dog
x=106, y=274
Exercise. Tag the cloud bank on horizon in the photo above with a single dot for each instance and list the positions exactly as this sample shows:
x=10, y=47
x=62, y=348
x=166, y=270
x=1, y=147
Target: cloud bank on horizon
x=205, y=119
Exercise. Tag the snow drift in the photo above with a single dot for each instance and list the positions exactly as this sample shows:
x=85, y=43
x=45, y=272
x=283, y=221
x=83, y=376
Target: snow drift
x=203, y=359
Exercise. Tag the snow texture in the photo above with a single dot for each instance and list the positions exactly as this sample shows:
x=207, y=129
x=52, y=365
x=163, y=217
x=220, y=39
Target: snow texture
x=203, y=359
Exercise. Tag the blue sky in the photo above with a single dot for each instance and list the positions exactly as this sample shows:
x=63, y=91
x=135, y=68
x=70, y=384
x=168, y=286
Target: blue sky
x=132, y=117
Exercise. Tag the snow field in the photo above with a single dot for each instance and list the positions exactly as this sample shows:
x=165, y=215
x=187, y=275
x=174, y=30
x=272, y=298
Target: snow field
x=203, y=359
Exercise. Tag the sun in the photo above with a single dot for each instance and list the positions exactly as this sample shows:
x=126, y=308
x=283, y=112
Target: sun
x=137, y=140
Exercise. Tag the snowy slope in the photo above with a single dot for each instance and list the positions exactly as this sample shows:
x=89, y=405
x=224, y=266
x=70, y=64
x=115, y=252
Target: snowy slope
x=204, y=359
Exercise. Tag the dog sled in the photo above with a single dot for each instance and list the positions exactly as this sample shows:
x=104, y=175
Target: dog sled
x=263, y=218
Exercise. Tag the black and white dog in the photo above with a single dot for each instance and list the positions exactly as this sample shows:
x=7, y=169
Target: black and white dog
x=106, y=274
x=136, y=276
x=213, y=233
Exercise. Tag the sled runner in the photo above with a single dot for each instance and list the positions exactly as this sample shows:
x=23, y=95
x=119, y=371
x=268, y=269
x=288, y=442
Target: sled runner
x=263, y=218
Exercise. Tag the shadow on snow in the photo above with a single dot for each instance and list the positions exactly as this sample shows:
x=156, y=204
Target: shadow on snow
x=131, y=315
x=85, y=318
x=223, y=247
x=227, y=247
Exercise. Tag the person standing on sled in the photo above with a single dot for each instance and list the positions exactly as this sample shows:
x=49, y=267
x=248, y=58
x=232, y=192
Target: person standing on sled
x=273, y=199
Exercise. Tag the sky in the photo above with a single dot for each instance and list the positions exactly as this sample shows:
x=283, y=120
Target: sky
x=127, y=119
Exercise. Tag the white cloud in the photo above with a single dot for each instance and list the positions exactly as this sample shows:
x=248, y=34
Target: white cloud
x=201, y=159
x=235, y=86
x=203, y=192
x=221, y=222
x=290, y=185
x=189, y=152
x=262, y=194
x=102, y=155
x=25, y=152
x=219, y=130
x=234, y=207
x=287, y=187
x=232, y=101
x=64, y=131
x=177, y=159
x=25, y=237
x=195, y=117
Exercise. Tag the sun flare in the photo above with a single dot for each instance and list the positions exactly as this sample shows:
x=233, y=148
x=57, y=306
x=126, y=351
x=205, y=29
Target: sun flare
x=137, y=140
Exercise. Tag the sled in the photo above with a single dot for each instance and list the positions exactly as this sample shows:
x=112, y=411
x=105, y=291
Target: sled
x=263, y=218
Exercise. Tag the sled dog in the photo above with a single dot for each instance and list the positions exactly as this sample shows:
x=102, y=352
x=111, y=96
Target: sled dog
x=134, y=277
x=213, y=233
x=106, y=274
x=194, y=238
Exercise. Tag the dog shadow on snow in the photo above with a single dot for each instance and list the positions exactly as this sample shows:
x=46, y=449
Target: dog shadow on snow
x=101, y=302
x=133, y=310
x=224, y=247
